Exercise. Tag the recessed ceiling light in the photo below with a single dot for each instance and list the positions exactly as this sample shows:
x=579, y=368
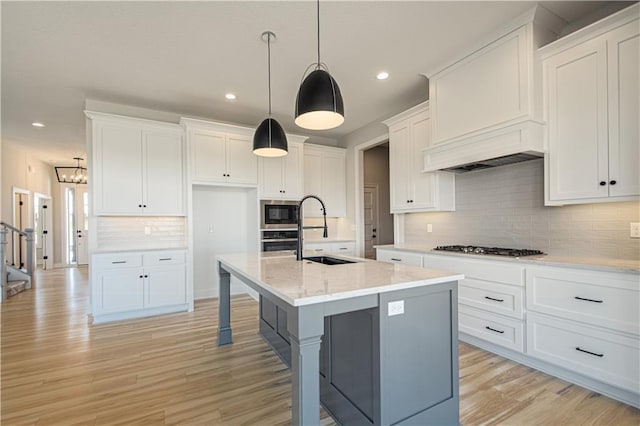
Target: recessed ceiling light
x=230, y=96
x=382, y=75
x=37, y=124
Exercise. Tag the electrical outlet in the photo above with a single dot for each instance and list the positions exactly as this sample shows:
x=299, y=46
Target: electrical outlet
x=147, y=230
x=429, y=227
x=396, y=308
x=634, y=231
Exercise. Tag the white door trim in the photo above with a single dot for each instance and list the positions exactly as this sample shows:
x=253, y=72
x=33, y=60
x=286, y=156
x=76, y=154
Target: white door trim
x=358, y=163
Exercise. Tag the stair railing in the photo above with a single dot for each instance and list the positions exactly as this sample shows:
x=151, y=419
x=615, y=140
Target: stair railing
x=27, y=234
x=3, y=263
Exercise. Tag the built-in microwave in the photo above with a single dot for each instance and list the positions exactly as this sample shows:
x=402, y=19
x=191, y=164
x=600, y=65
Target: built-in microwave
x=277, y=214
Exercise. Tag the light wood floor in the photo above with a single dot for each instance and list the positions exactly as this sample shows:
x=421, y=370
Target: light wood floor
x=59, y=370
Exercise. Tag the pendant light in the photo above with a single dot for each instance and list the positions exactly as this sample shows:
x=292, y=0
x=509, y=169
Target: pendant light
x=269, y=139
x=319, y=103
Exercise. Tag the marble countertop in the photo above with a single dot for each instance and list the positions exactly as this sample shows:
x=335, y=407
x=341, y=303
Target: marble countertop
x=304, y=283
x=592, y=263
x=111, y=250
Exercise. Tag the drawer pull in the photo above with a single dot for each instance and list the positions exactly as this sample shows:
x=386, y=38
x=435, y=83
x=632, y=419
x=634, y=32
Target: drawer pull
x=589, y=352
x=119, y=261
x=588, y=300
x=166, y=258
x=343, y=248
x=493, y=329
x=495, y=300
x=396, y=259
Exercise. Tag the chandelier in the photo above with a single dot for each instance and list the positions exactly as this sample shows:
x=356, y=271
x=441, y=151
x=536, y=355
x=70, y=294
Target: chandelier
x=70, y=174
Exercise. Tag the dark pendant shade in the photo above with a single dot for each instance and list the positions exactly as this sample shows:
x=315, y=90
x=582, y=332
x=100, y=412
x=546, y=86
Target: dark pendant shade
x=269, y=140
x=319, y=103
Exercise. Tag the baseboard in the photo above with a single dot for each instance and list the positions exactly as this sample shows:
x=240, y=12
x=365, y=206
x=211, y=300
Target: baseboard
x=100, y=319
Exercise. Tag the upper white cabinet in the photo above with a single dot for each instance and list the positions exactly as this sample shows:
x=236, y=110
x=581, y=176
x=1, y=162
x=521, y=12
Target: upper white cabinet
x=281, y=178
x=591, y=104
x=411, y=189
x=137, y=166
x=485, y=103
x=324, y=176
x=221, y=153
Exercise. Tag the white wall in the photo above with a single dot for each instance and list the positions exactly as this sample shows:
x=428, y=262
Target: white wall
x=22, y=169
x=505, y=207
x=225, y=220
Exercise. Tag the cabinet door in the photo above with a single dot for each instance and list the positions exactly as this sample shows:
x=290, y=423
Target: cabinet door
x=163, y=174
x=118, y=172
x=208, y=156
x=422, y=188
x=576, y=90
x=624, y=92
x=271, y=172
x=165, y=286
x=334, y=184
x=313, y=181
x=242, y=164
x=293, y=179
x=118, y=290
x=398, y=159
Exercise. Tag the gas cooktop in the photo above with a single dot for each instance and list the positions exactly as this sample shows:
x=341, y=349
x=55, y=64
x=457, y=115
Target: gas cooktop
x=496, y=251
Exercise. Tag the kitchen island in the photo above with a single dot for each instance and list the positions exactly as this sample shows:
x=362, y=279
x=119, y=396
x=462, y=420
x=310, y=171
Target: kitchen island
x=375, y=343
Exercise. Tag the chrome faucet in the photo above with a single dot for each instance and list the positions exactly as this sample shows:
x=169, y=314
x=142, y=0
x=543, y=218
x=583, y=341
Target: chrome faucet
x=325, y=234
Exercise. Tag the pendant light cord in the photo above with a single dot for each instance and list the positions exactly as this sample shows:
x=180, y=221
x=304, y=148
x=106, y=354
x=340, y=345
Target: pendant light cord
x=318, y=25
x=269, y=68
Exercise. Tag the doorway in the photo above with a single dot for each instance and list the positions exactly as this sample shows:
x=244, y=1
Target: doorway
x=374, y=221
x=76, y=225
x=371, y=223
x=42, y=227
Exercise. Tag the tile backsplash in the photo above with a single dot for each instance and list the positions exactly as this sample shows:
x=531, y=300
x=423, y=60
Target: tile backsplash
x=505, y=207
x=128, y=232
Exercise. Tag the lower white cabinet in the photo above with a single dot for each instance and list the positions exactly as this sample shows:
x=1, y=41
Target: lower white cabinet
x=347, y=248
x=605, y=356
x=397, y=256
x=138, y=284
x=579, y=324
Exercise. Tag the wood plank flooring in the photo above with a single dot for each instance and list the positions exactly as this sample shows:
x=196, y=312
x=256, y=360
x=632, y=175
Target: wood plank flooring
x=57, y=369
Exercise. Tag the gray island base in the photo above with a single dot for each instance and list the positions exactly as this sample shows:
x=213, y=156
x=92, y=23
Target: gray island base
x=371, y=354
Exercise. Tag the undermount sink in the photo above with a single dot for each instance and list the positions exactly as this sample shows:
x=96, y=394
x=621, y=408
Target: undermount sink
x=326, y=260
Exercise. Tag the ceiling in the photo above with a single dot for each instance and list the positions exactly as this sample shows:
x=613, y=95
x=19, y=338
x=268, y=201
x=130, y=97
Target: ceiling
x=184, y=56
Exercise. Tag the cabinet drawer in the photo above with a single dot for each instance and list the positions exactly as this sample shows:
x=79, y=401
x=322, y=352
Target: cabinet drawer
x=493, y=328
x=414, y=259
x=164, y=258
x=344, y=248
x=493, y=297
x=318, y=247
x=487, y=270
x=608, y=357
x=607, y=300
x=114, y=260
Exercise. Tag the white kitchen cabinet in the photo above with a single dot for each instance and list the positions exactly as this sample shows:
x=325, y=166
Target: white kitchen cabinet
x=347, y=248
x=411, y=189
x=325, y=176
x=591, y=104
x=282, y=178
x=137, y=284
x=491, y=298
x=398, y=256
x=221, y=153
x=138, y=167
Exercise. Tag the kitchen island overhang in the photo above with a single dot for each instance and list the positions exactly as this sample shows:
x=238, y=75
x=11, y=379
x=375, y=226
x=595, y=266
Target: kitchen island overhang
x=375, y=342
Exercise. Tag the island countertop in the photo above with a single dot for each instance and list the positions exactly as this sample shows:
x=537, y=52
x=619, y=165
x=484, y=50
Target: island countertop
x=304, y=282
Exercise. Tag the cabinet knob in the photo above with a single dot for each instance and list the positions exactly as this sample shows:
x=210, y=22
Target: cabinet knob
x=140, y=276
x=613, y=182
x=139, y=205
x=602, y=183
x=146, y=276
x=144, y=205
